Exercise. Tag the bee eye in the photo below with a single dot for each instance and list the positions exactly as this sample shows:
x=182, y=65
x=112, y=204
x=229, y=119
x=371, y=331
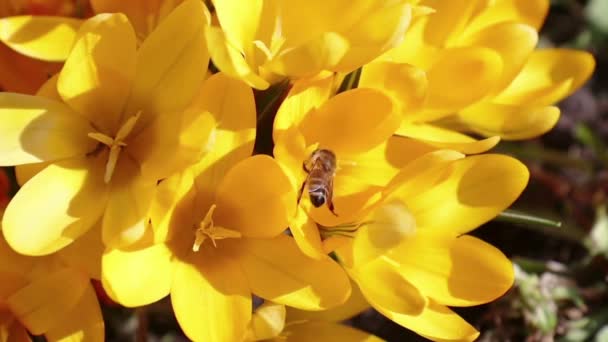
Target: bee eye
x=317, y=199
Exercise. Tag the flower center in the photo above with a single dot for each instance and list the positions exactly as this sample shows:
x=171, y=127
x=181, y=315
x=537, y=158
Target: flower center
x=207, y=230
x=115, y=144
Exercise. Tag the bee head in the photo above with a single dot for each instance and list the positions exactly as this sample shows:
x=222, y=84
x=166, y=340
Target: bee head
x=317, y=198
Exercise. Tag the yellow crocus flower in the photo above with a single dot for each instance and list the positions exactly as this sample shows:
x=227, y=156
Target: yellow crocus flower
x=261, y=41
x=105, y=126
x=478, y=71
x=218, y=235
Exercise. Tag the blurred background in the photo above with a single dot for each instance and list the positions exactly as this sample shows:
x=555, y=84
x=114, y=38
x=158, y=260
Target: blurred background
x=556, y=235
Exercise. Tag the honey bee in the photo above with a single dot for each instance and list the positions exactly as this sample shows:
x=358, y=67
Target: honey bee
x=321, y=169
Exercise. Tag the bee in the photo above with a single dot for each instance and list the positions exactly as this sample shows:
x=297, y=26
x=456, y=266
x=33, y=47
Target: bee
x=321, y=169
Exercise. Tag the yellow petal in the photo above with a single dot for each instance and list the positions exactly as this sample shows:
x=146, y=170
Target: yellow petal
x=448, y=139
x=355, y=304
x=510, y=122
x=529, y=12
x=232, y=105
x=83, y=323
x=306, y=234
x=231, y=61
x=548, y=76
x=323, y=52
x=96, y=78
x=125, y=220
x=68, y=197
x=461, y=271
x=380, y=29
x=255, y=198
x=40, y=37
x=26, y=171
x=35, y=129
x=326, y=332
x=352, y=122
x=167, y=79
x=172, y=142
x=513, y=41
x=475, y=69
x=405, y=83
x=11, y=330
x=144, y=15
x=475, y=191
x=239, y=20
x=151, y=282
x=211, y=289
x=278, y=271
x=435, y=322
x=384, y=287
x=268, y=321
x=46, y=300
x=305, y=95
x=86, y=252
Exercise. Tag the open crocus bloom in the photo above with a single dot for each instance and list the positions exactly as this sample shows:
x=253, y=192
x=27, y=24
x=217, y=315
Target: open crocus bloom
x=261, y=41
x=478, y=72
x=357, y=126
x=218, y=235
x=45, y=296
x=410, y=255
x=113, y=115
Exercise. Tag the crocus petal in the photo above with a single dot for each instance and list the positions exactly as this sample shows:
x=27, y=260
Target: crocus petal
x=306, y=234
x=86, y=252
x=125, y=220
x=36, y=129
x=475, y=191
x=355, y=304
x=144, y=15
x=239, y=20
x=151, y=282
x=461, y=271
x=384, y=287
x=326, y=332
x=255, y=198
x=510, y=122
x=22, y=74
x=230, y=60
x=97, y=75
x=68, y=197
x=513, y=41
x=529, y=12
x=475, y=69
x=305, y=95
x=26, y=171
x=232, y=105
x=323, y=52
x=278, y=271
x=548, y=76
x=83, y=323
x=379, y=30
x=446, y=138
x=211, y=289
x=172, y=142
x=404, y=82
x=435, y=322
x=358, y=130
x=268, y=321
x=12, y=330
x=45, y=301
x=40, y=37
x=167, y=79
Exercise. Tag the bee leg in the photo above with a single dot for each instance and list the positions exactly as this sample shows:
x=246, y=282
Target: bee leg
x=330, y=205
x=301, y=190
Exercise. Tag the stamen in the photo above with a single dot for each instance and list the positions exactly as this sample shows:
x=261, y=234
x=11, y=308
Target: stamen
x=207, y=229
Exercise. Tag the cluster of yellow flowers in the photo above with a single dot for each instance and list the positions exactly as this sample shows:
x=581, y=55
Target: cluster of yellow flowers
x=136, y=168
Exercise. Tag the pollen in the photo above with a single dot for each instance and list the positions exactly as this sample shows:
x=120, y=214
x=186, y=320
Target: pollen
x=207, y=230
x=115, y=144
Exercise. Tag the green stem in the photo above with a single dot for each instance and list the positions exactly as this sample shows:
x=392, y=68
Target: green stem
x=542, y=225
